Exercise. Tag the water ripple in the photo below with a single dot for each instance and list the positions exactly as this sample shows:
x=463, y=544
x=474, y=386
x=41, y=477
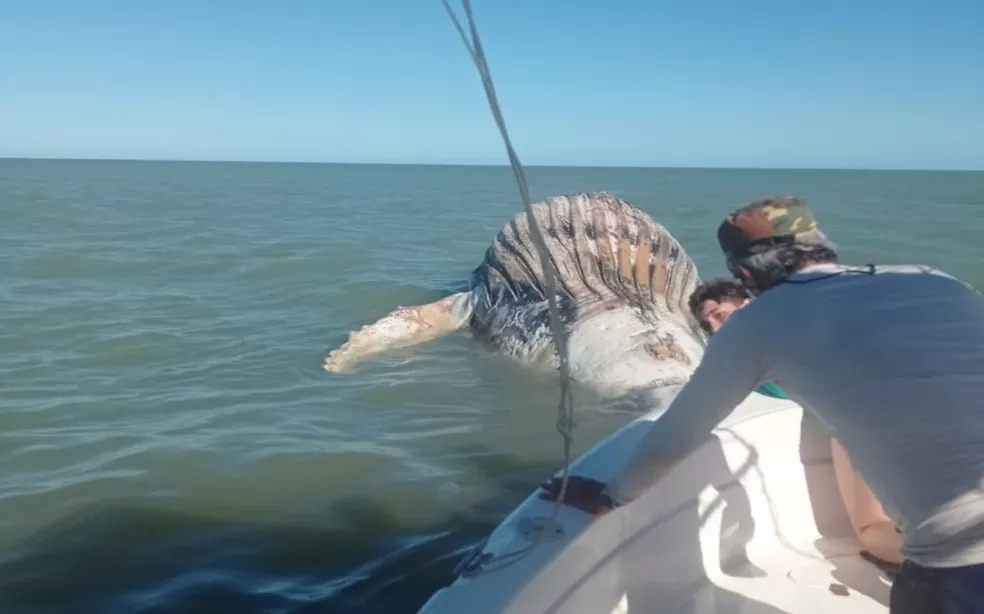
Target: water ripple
x=170, y=442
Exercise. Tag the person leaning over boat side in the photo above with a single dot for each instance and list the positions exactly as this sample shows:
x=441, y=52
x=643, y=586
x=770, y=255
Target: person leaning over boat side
x=712, y=304
x=889, y=358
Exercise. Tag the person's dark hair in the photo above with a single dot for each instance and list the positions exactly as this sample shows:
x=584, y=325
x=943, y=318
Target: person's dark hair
x=718, y=291
x=771, y=268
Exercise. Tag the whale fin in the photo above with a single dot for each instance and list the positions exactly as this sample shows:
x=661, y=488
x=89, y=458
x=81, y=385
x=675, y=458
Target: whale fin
x=402, y=328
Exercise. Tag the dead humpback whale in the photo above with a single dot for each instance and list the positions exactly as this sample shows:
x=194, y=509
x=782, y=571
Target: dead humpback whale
x=622, y=283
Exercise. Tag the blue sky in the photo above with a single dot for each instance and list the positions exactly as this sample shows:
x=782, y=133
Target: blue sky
x=753, y=83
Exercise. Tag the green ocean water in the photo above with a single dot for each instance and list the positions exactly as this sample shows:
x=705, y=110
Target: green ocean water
x=169, y=442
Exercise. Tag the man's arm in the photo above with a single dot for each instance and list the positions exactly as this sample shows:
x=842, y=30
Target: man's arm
x=732, y=367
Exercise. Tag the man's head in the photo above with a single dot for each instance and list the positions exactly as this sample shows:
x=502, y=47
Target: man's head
x=713, y=303
x=766, y=241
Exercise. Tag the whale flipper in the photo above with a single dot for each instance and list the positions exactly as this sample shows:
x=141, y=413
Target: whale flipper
x=403, y=327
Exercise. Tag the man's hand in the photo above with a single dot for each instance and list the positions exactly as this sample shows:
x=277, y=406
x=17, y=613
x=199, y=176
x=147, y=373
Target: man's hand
x=585, y=494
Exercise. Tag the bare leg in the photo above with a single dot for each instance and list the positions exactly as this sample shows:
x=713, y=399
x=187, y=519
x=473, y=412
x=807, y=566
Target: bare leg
x=874, y=530
x=402, y=328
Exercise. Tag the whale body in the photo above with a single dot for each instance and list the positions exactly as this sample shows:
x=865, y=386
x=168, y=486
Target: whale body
x=623, y=283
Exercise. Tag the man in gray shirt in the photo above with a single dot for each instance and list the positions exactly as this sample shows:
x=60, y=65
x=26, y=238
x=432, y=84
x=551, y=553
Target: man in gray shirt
x=889, y=358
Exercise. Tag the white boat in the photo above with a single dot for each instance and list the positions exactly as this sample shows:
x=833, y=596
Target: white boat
x=743, y=525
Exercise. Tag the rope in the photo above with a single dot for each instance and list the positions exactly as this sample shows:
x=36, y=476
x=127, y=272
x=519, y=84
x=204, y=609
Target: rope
x=565, y=408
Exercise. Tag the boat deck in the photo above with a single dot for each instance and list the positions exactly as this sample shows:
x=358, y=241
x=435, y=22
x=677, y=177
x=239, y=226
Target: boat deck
x=751, y=523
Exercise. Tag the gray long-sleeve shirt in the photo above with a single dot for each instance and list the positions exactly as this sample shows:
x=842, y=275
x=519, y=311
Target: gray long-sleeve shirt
x=891, y=362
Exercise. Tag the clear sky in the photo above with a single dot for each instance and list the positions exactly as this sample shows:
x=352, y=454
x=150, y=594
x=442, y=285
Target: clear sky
x=752, y=83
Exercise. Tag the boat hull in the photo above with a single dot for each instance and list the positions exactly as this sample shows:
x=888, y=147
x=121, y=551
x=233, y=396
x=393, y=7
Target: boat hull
x=749, y=523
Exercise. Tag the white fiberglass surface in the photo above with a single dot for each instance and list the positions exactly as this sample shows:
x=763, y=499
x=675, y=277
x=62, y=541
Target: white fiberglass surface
x=742, y=526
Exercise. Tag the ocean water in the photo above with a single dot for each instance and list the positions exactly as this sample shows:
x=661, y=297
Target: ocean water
x=169, y=442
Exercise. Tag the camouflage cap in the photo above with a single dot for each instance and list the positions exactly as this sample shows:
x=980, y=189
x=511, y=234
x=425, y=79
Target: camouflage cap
x=764, y=224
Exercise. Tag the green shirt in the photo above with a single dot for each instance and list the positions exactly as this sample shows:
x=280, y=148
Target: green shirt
x=769, y=389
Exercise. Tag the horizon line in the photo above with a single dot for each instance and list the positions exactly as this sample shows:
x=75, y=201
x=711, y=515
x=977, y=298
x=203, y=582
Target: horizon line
x=489, y=164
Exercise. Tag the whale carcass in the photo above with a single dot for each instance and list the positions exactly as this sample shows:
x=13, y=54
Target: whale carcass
x=623, y=286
